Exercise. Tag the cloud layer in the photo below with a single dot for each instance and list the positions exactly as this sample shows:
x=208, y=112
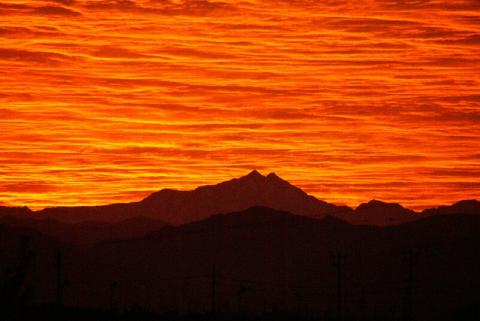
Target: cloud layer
x=107, y=101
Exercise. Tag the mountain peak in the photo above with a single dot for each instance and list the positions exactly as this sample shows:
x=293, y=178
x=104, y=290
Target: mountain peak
x=374, y=203
x=371, y=203
x=254, y=174
x=274, y=177
x=276, y=180
x=254, y=177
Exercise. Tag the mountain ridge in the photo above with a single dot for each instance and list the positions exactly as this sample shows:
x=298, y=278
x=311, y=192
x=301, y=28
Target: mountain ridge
x=237, y=194
x=274, y=252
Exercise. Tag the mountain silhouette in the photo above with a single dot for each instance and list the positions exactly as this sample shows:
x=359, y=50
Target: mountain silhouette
x=19, y=212
x=463, y=207
x=85, y=233
x=380, y=213
x=180, y=207
x=286, y=260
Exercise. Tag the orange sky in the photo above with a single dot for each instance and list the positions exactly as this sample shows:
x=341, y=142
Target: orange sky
x=106, y=101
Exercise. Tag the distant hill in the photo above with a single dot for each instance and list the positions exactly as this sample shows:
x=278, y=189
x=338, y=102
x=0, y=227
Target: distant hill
x=269, y=260
x=461, y=207
x=19, y=212
x=287, y=263
x=380, y=214
x=86, y=233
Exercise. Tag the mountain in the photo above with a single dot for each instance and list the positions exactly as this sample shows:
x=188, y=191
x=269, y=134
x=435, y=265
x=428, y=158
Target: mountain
x=86, y=233
x=380, y=213
x=180, y=207
x=461, y=207
x=288, y=263
x=15, y=211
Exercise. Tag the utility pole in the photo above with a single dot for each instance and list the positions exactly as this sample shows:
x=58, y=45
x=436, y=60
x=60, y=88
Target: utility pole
x=362, y=304
x=410, y=261
x=214, y=290
x=299, y=298
x=240, y=293
x=59, y=267
x=111, y=289
x=339, y=261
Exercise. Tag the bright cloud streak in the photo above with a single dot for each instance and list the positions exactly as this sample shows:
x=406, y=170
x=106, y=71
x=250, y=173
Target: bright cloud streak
x=106, y=101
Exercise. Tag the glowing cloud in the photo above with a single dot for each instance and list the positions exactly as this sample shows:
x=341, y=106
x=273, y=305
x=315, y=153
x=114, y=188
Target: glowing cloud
x=106, y=101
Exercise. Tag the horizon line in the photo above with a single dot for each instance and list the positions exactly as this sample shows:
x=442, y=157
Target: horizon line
x=418, y=209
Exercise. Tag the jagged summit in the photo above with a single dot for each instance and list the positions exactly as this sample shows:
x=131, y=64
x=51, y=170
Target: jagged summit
x=272, y=175
x=254, y=174
x=252, y=177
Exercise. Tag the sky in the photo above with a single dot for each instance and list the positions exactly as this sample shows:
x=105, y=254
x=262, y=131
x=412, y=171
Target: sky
x=108, y=101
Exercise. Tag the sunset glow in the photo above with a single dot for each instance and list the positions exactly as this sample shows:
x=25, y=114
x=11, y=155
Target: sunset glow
x=107, y=101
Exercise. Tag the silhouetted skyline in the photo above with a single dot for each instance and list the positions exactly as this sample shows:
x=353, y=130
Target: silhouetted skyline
x=254, y=189
x=258, y=160
x=256, y=262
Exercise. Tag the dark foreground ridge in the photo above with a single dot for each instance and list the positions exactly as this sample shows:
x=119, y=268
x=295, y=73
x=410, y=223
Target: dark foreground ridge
x=258, y=264
x=182, y=207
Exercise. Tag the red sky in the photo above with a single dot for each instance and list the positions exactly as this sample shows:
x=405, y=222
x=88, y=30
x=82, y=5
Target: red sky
x=106, y=101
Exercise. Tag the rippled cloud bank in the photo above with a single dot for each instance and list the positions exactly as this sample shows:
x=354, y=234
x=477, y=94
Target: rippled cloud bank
x=106, y=101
